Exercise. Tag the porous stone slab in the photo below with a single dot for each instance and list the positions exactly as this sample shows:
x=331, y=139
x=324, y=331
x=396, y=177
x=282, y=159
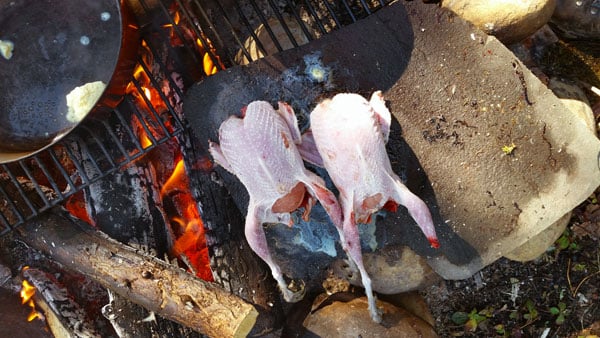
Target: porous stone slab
x=505, y=157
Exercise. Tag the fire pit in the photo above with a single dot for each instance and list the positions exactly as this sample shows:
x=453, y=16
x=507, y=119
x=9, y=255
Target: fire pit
x=149, y=202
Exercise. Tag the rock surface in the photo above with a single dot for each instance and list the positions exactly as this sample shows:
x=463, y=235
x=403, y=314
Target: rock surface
x=414, y=303
x=351, y=319
x=509, y=20
x=393, y=270
x=574, y=99
x=538, y=244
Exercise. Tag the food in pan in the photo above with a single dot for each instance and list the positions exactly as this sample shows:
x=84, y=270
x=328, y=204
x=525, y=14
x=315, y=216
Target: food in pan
x=6, y=48
x=82, y=99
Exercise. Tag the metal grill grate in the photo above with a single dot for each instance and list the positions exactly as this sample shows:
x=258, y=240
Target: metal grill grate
x=106, y=142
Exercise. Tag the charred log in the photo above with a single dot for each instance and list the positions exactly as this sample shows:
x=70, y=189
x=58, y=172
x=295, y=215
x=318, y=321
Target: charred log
x=126, y=206
x=130, y=320
x=147, y=281
x=70, y=316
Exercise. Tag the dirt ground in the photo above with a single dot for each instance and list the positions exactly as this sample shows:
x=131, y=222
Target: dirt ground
x=557, y=295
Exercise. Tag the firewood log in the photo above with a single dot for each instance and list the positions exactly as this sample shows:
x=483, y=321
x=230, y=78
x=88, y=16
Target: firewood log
x=168, y=291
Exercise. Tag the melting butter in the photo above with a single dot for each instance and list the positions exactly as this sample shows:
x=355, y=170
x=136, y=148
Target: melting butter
x=82, y=99
x=6, y=48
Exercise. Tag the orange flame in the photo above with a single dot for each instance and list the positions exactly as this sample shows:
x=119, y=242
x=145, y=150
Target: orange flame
x=176, y=18
x=191, y=243
x=145, y=141
x=146, y=92
x=207, y=61
x=27, y=293
x=208, y=65
x=177, y=180
x=140, y=74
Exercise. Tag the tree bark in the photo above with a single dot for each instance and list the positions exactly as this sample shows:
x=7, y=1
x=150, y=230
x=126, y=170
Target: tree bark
x=168, y=291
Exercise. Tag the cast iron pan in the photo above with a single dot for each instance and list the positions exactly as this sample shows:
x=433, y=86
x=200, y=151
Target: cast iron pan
x=58, y=45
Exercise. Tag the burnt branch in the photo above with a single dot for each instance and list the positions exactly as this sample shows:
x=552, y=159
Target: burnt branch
x=157, y=286
x=69, y=316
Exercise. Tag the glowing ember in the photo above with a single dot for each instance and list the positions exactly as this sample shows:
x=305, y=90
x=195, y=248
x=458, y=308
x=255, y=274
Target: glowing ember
x=76, y=206
x=191, y=243
x=27, y=293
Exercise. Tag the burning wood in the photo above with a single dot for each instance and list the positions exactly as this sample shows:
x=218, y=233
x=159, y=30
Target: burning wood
x=65, y=312
x=154, y=284
x=190, y=243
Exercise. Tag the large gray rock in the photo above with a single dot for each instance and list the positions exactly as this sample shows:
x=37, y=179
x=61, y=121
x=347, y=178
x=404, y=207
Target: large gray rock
x=508, y=20
x=491, y=150
x=574, y=99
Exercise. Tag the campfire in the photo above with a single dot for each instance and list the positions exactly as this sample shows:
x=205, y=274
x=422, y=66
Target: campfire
x=133, y=224
x=120, y=181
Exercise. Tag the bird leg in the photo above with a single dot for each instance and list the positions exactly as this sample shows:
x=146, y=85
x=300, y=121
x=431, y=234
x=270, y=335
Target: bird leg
x=418, y=210
x=255, y=235
x=351, y=244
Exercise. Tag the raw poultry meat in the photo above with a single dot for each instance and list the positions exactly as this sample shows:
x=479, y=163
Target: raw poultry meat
x=260, y=149
x=350, y=134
